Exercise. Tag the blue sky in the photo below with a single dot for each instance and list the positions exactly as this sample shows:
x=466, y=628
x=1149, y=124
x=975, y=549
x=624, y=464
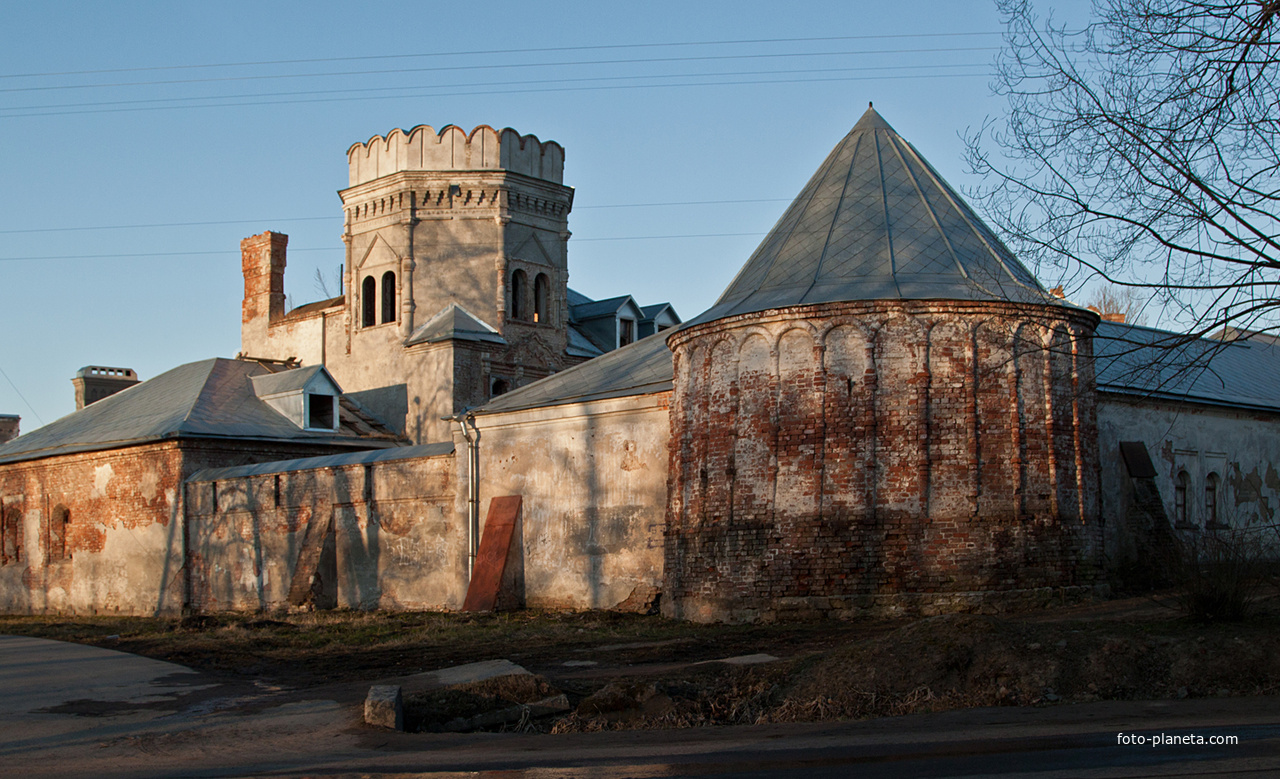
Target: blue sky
x=687, y=126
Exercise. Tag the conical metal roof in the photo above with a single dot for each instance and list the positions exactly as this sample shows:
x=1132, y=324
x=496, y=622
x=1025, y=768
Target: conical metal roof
x=877, y=222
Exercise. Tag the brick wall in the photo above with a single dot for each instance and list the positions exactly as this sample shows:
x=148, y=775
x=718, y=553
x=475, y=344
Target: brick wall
x=256, y=541
x=887, y=455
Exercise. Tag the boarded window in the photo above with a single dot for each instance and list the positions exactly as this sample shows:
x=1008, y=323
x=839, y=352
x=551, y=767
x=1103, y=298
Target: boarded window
x=541, y=296
x=388, y=297
x=369, y=302
x=1180, y=498
x=59, y=530
x=10, y=535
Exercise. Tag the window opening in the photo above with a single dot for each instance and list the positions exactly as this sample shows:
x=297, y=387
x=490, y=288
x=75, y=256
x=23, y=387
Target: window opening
x=59, y=528
x=500, y=387
x=519, y=289
x=388, y=297
x=369, y=302
x=1180, y=499
x=1211, y=499
x=627, y=332
x=10, y=541
x=320, y=411
x=541, y=291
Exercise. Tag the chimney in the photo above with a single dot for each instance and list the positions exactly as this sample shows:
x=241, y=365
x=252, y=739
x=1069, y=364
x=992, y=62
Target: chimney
x=1116, y=316
x=95, y=382
x=262, y=258
x=9, y=427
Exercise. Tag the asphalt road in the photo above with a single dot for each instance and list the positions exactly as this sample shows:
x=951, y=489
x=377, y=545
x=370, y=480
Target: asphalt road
x=71, y=710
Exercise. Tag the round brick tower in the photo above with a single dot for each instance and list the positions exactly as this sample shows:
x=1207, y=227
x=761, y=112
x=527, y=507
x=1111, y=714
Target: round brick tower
x=884, y=411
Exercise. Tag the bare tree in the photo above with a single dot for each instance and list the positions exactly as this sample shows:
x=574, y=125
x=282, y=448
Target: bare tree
x=1142, y=149
x=322, y=284
x=1125, y=303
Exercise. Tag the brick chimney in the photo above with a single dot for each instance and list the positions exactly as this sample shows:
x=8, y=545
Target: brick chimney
x=95, y=382
x=9, y=427
x=262, y=258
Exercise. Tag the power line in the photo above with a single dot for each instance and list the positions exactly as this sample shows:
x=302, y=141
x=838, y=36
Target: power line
x=495, y=66
x=338, y=217
x=495, y=92
x=229, y=252
x=24, y=398
x=489, y=52
x=365, y=90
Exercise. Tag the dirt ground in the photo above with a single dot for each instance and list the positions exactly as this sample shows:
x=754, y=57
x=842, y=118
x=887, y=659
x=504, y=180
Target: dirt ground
x=619, y=671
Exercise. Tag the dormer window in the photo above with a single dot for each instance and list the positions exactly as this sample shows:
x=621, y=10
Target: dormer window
x=321, y=411
x=307, y=397
x=626, y=332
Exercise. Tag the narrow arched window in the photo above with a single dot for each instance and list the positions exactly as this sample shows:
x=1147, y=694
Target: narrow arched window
x=388, y=297
x=369, y=302
x=519, y=293
x=59, y=528
x=541, y=295
x=1180, y=498
x=1211, y=499
x=10, y=536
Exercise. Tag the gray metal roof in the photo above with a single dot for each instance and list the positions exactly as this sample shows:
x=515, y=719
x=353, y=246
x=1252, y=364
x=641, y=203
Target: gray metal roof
x=601, y=308
x=876, y=222
x=454, y=322
x=641, y=368
x=207, y=399
x=288, y=381
x=325, y=461
x=1143, y=361
x=579, y=345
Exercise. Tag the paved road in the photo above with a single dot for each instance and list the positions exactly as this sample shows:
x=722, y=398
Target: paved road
x=70, y=710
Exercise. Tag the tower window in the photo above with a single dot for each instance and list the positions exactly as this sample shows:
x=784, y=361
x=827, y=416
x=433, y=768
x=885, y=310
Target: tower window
x=519, y=291
x=369, y=302
x=1211, y=499
x=541, y=294
x=388, y=297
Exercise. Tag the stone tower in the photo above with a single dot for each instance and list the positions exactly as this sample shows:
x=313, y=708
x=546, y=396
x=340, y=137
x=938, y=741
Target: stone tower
x=455, y=281
x=883, y=411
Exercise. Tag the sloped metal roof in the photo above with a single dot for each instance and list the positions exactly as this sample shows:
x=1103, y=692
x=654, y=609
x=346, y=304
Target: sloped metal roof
x=641, y=368
x=454, y=322
x=325, y=461
x=601, y=308
x=207, y=399
x=1143, y=361
x=289, y=381
x=876, y=222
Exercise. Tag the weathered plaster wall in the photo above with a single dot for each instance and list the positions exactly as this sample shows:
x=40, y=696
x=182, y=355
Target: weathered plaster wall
x=593, y=478
x=1241, y=447
x=882, y=455
x=391, y=523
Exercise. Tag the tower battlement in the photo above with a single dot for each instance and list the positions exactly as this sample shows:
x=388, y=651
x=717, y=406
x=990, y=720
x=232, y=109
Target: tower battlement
x=450, y=148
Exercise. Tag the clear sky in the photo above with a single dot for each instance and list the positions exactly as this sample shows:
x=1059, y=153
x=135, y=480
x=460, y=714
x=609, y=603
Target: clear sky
x=143, y=140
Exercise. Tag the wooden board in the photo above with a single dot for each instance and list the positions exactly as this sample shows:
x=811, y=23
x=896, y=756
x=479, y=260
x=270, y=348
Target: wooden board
x=491, y=559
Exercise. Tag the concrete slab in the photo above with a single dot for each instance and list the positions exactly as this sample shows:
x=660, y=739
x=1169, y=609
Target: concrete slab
x=461, y=674
x=755, y=659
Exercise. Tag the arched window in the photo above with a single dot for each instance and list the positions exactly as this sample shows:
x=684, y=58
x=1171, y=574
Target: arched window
x=1180, y=499
x=1211, y=499
x=541, y=295
x=59, y=527
x=388, y=297
x=369, y=302
x=519, y=293
x=500, y=387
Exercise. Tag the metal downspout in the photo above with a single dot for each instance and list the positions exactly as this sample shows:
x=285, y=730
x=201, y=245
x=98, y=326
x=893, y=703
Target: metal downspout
x=473, y=485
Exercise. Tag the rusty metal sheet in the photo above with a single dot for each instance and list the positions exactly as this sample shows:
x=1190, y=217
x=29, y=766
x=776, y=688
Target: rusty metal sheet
x=491, y=559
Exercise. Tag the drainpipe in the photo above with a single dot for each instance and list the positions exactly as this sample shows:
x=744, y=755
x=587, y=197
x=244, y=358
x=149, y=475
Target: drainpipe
x=473, y=485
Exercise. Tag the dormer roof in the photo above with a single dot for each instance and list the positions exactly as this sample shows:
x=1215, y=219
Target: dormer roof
x=877, y=222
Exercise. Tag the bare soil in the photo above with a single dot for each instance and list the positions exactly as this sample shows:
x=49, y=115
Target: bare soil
x=626, y=671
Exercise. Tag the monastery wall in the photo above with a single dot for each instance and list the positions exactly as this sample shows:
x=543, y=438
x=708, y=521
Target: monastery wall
x=375, y=535
x=593, y=478
x=884, y=456
x=1230, y=458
